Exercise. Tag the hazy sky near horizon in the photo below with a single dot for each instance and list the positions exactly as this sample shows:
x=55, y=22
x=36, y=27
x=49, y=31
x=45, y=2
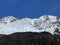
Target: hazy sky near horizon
x=29, y=8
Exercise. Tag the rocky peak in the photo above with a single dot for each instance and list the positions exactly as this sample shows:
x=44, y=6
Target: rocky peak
x=8, y=19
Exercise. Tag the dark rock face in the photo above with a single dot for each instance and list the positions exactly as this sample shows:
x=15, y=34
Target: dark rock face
x=29, y=38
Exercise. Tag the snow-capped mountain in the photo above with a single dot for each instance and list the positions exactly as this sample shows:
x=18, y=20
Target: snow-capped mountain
x=47, y=23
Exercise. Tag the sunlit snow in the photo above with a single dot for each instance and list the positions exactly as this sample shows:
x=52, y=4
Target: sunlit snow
x=46, y=23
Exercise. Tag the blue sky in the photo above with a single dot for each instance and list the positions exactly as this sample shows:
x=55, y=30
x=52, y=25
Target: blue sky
x=29, y=8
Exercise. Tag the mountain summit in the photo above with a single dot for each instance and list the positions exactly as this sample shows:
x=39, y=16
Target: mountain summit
x=8, y=19
x=46, y=23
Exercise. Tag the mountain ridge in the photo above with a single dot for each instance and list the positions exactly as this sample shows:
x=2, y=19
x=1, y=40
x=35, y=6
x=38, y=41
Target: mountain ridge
x=48, y=23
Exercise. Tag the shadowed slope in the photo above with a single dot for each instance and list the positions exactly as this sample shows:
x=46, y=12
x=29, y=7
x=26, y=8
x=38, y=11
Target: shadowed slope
x=28, y=38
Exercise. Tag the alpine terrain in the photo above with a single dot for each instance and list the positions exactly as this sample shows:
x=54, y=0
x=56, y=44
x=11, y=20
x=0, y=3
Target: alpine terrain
x=44, y=30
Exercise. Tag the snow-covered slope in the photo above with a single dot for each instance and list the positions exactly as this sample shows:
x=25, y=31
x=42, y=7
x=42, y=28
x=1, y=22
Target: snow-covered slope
x=46, y=23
